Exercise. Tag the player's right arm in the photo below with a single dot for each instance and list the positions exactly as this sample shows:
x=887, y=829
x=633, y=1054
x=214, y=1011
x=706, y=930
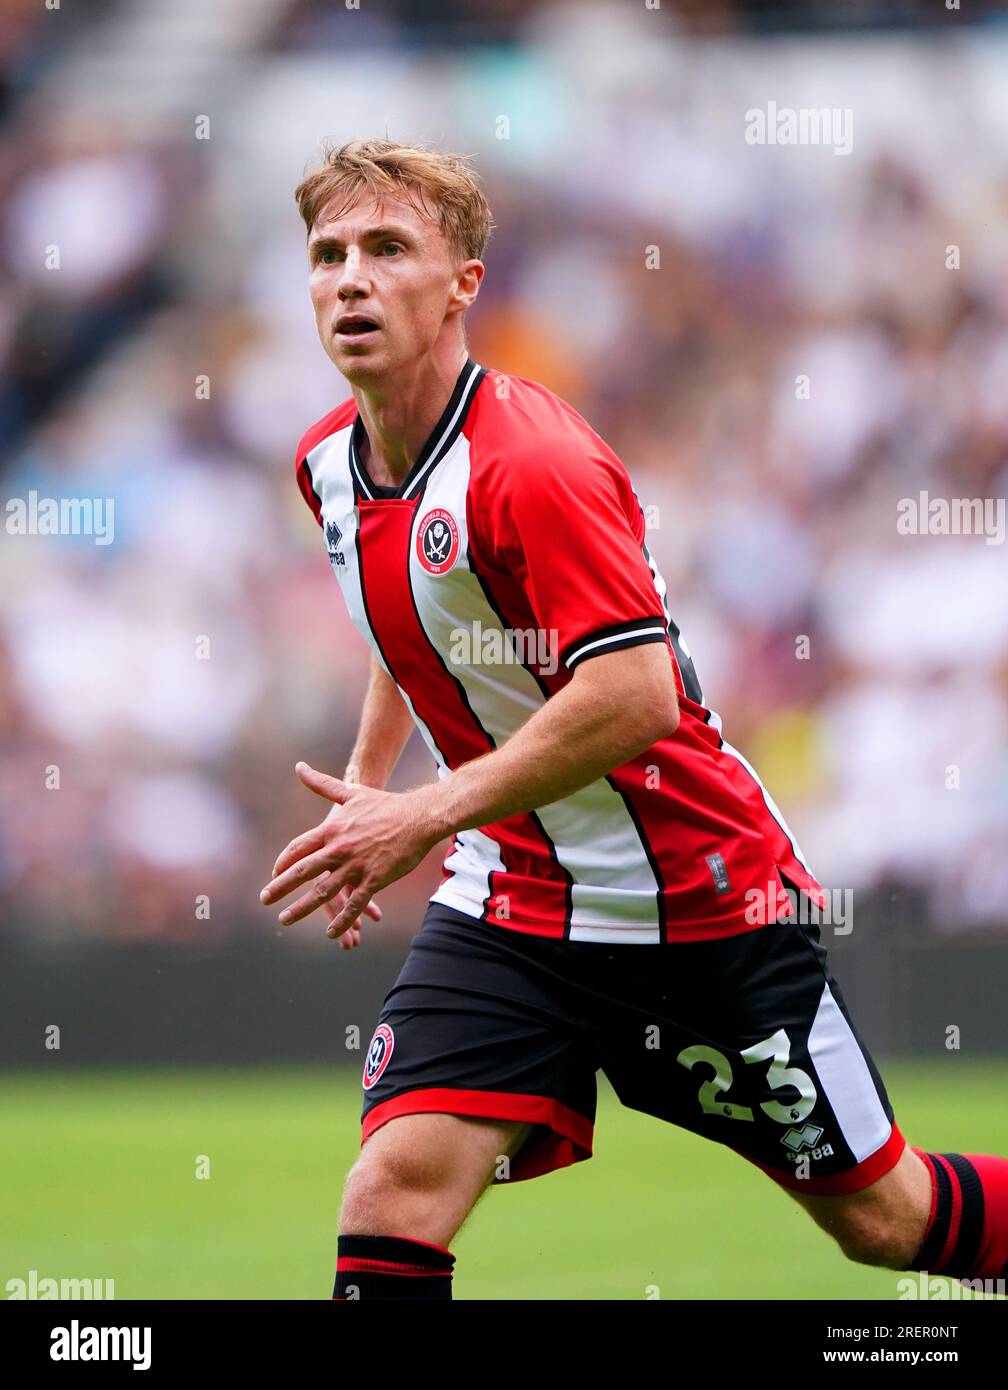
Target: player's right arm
x=382, y=734
x=385, y=727
x=385, y=722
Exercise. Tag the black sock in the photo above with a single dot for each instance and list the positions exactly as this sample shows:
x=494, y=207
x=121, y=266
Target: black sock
x=392, y=1267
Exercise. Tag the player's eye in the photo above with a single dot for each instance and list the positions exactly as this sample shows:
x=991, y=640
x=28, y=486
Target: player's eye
x=392, y=246
x=327, y=258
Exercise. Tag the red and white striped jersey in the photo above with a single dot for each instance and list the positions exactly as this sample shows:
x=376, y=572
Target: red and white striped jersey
x=513, y=551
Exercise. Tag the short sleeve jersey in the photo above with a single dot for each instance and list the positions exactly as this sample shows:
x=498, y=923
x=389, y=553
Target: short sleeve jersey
x=514, y=551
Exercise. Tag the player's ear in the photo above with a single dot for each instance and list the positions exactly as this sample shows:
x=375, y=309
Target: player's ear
x=467, y=283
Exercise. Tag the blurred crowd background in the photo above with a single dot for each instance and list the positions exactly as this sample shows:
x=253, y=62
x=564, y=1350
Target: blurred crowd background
x=170, y=680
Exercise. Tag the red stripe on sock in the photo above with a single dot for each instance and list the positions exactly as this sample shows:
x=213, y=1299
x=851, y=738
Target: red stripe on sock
x=954, y=1218
x=346, y=1264
x=992, y=1260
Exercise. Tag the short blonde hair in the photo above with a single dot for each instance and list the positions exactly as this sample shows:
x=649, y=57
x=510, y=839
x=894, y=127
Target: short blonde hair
x=384, y=168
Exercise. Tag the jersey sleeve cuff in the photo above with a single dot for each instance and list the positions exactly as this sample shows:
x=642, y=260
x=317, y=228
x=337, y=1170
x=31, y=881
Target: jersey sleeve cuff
x=613, y=639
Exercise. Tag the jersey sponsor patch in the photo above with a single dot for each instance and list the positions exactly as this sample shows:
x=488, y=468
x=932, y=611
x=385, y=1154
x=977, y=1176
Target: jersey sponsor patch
x=380, y=1050
x=437, y=541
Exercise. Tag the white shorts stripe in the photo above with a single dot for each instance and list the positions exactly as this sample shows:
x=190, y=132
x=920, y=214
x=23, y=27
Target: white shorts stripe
x=846, y=1081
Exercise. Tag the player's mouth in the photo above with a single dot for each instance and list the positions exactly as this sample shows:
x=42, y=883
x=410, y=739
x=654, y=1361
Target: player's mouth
x=355, y=326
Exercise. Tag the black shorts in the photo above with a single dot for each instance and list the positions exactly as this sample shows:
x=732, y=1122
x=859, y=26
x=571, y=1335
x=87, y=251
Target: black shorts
x=744, y=1039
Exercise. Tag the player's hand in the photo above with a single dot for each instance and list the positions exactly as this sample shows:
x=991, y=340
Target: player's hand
x=367, y=841
x=349, y=937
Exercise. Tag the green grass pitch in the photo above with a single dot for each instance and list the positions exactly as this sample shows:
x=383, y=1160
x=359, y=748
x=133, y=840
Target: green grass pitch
x=98, y=1180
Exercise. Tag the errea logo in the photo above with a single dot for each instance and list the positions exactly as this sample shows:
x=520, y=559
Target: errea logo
x=333, y=537
x=807, y=1137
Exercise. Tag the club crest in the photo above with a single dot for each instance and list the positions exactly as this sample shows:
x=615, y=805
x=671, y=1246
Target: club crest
x=437, y=541
x=379, y=1052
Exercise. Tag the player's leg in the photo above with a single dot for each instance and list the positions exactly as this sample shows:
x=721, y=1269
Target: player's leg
x=751, y=1045
x=884, y=1202
x=414, y=1184
x=884, y=1223
x=477, y=1058
x=896, y=1206
x=421, y=1175
x=939, y=1213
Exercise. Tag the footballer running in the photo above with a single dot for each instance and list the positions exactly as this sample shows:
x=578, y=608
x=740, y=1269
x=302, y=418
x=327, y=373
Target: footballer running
x=606, y=840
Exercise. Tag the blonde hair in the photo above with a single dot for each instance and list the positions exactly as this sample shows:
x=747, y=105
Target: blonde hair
x=384, y=168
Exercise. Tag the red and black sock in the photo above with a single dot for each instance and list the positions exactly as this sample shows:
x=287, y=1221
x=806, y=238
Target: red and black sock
x=967, y=1233
x=392, y=1267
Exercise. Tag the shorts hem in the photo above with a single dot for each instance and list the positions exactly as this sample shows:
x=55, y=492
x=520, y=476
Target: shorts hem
x=569, y=1137
x=862, y=1175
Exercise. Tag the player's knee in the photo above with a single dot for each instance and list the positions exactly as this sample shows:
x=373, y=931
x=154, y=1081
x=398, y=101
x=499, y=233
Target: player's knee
x=381, y=1181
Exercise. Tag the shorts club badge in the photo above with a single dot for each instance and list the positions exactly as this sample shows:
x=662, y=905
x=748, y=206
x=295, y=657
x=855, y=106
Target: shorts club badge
x=378, y=1054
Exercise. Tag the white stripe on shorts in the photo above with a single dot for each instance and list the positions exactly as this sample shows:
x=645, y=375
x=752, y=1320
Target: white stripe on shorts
x=846, y=1080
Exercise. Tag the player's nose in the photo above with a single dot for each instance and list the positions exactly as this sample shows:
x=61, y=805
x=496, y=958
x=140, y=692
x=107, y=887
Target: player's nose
x=352, y=280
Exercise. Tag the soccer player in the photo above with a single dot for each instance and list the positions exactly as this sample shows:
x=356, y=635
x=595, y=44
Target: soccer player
x=620, y=892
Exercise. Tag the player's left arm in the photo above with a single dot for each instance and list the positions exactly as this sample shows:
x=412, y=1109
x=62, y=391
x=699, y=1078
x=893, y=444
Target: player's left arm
x=615, y=706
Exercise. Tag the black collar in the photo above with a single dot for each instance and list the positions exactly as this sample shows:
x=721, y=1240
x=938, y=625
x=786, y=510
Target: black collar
x=442, y=437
